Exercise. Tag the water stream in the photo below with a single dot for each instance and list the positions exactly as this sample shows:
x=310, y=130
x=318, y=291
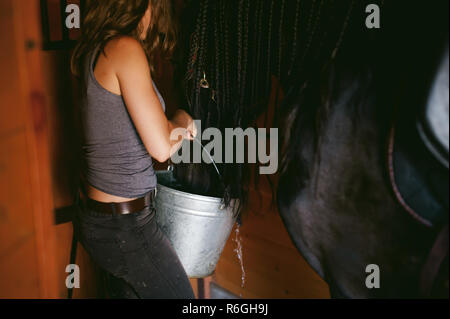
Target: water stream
x=238, y=250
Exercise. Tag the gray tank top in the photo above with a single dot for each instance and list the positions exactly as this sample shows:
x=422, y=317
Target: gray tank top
x=116, y=159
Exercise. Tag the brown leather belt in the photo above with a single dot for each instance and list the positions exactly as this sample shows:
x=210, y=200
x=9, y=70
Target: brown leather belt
x=125, y=208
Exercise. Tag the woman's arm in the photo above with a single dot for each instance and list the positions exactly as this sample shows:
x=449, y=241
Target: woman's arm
x=129, y=62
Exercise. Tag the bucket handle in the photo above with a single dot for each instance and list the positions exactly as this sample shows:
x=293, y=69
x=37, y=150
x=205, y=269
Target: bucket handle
x=210, y=157
x=170, y=168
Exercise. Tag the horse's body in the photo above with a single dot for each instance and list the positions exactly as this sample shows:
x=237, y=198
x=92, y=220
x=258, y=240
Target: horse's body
x=336, y=196
x=343, y=215
x=336, y=193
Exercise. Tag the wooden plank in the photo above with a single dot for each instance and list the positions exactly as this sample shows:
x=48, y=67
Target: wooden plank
x=20, y=279
x=12, y=115
x=16, y=218
x=28, y=35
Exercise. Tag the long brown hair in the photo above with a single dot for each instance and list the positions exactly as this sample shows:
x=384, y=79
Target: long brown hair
x=105, y=20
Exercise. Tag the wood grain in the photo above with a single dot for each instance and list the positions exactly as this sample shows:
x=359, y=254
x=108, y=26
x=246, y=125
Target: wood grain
x=26, y=198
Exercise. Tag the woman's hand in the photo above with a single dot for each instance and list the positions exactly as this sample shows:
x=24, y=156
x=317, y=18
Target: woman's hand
x=192, y=130
x=183, y=119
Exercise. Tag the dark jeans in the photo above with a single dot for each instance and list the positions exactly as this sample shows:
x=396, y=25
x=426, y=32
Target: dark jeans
x=138, y=258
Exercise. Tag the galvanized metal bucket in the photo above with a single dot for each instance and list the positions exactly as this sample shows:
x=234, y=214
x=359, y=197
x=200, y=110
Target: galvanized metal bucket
x=198, y=226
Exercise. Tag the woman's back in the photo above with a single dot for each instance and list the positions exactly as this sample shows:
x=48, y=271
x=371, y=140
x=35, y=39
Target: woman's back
x=117, y=162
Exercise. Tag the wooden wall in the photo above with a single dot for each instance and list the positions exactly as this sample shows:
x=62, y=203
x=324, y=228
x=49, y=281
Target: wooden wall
x=27, y=238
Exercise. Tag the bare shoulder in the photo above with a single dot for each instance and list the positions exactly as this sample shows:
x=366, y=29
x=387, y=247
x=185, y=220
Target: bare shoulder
x=125, y=51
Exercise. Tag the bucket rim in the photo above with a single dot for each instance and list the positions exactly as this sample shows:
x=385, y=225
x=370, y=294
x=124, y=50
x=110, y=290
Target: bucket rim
x=211, y=199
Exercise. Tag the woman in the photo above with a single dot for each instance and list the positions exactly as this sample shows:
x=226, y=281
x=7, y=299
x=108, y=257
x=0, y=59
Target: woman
x=124, y=126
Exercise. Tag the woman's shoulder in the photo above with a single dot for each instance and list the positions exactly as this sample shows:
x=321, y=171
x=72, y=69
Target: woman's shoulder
x=124, y=48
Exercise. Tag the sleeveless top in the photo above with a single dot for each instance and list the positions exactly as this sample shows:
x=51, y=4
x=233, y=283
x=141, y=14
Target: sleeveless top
x=116, y=160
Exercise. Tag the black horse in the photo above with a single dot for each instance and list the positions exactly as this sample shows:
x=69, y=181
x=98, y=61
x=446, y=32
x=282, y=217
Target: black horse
x=365, y=178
